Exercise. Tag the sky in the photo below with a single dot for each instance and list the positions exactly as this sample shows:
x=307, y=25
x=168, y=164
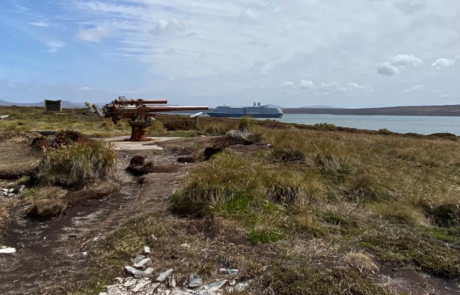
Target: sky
x=290, y=53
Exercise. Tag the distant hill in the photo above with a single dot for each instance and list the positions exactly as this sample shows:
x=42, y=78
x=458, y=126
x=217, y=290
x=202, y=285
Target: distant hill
x=317, y=107
x=65, y=104
x=441, y=110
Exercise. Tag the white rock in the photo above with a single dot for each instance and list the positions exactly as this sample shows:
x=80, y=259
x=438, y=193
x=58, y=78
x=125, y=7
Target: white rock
x=151, y=239
x=11, y=195
x=195, y=281
x=211, y=288
x=185, y=246
x=143, y=263
x=84, y=254
x=102, y=293
x=129, y=283
x=11, y=190
x=233, y=272
x=140, y=285
x=151, y=290
x=223, y=271
x=164, y=275
x=146, y=250
x=115, y=290
x=241, y=287
x=179, y=292
x=135, y=272
x=149, y=271
x=7, y=250
x=137, y=259
x=172, y=282
x=22, y=188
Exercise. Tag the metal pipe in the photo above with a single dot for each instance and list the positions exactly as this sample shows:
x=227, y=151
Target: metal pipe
x=175, y=108
x=144, y=101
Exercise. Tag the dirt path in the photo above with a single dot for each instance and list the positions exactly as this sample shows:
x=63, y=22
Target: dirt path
x=48, y=252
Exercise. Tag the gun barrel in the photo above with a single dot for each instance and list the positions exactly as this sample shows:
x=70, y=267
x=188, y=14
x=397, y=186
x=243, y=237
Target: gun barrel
x=144, y=101
x=175, y=108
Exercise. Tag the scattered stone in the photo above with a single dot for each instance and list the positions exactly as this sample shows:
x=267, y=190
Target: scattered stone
x=102, y=293
x=151, y=239
x=7, y=250
x=135, y=272
x=129, y=283
x=84, y=254
x=164, y=275
x=146, y=250
x=11, y=190
x=149, y=271
x=185, y=246
x=143, y=264
x=211, y=288
x=22, y=188
x=151, y=289
x=115, y=290
x=223, y=271
x=171, y=282
x=137, y=259
x=233, y=272
x=140, y=285
x=195, y=281
x=11, y=195
x=179, y=292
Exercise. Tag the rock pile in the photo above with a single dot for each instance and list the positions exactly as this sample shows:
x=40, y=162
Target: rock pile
x=143, y=279
x=9, y=193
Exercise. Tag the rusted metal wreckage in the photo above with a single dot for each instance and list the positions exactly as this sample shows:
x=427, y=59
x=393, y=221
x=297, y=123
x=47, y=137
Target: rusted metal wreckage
x=141, y=113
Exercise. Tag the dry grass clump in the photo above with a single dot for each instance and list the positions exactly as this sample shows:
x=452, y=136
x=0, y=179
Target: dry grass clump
x=76, y=164
x=362, y=262
x=45, y=202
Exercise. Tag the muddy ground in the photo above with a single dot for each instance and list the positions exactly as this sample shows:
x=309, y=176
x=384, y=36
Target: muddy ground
x=51, y=252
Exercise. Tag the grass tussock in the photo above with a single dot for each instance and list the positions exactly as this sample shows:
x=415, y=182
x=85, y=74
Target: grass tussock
x=360, y=261
x=45, y=202
x=77, y=164
x=306, y=280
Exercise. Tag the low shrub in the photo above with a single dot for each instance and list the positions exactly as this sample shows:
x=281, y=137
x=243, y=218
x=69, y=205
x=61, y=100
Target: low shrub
x=45, y=202
x=77, y=164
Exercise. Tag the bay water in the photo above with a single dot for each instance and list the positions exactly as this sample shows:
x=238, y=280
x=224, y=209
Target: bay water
x=400, y=124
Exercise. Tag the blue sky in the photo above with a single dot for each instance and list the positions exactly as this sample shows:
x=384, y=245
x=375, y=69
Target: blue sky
x=357, y=53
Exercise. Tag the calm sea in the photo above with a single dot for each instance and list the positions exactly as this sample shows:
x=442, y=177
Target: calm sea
x=400, y=124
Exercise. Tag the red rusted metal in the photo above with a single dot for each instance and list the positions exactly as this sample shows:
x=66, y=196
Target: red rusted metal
x=141, y=115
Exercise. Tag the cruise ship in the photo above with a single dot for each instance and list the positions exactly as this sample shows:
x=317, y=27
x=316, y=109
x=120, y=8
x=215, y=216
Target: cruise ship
x=256, y=111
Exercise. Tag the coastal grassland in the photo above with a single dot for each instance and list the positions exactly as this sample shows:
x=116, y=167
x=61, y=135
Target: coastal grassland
x=319, y=196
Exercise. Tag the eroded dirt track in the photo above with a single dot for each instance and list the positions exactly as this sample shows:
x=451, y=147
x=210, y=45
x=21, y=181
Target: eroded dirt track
x=49, y=252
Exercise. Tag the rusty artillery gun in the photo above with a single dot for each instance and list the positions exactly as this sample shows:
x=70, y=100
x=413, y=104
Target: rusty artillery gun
x=141, y=113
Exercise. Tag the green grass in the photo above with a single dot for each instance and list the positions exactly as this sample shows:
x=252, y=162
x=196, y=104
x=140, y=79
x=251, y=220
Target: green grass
x=77, y=164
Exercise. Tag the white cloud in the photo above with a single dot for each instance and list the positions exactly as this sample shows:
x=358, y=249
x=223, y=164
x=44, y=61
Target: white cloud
x=443, y=63
x=55, y=45
x=164, y=27
x=413, y=89
x=355, y=86
x=410, y=6
x=288, y=84
x=95, y=34
x=387, y=69
x=405, y=60
x=247, y=16
x=304, y=84
x=40, y=24
x=332, y=88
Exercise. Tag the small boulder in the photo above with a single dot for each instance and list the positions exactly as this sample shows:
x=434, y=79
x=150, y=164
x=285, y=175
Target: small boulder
x=135, y=272
x=164, y=275
x=195, y=281
x=143, y=263
x=146, y=250
x=137, y=259
x=137, y=161
x=149, y=271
